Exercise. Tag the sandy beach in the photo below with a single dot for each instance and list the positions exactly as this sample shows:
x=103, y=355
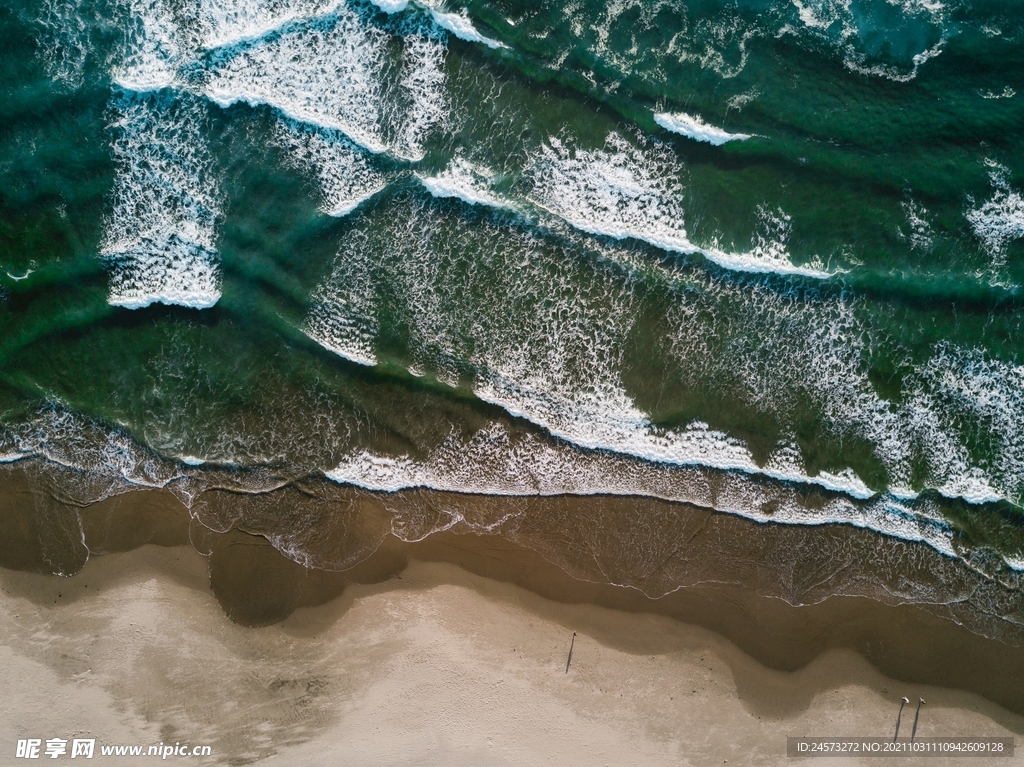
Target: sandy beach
x=451, y=649
x=458, y=384
x=435, y=665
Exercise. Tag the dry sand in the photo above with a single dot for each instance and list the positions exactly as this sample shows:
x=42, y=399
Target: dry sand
x=435, y=667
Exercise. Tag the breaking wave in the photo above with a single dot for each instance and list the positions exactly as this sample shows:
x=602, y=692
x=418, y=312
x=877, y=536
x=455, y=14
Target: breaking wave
x=697, y=129
x=624, y=191
x=159, y=239
x=325, y=73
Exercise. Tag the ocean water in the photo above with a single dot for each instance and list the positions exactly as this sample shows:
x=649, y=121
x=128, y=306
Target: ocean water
x=761, y=256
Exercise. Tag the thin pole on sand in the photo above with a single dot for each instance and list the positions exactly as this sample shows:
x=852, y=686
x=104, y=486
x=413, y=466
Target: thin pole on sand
x=913, y=732
x=569, y=659
x=905, y=702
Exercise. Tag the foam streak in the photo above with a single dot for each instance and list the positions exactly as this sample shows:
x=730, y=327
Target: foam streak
x=159, y=240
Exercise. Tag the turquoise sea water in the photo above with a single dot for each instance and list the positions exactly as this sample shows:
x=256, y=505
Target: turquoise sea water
x=719, y=252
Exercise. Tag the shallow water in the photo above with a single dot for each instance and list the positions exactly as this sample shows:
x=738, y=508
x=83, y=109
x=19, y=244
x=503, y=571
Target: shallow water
x=760, y=257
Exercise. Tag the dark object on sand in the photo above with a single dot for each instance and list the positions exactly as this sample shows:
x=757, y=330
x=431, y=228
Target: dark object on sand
x=569, y=659
x=900, y=714
x=913, y=731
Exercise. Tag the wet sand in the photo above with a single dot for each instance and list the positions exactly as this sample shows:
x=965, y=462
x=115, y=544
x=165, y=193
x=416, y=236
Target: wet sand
x=451, y=649
x=433, y=666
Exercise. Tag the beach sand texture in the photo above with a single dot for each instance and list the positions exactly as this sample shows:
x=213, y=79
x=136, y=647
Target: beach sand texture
x=433, y=666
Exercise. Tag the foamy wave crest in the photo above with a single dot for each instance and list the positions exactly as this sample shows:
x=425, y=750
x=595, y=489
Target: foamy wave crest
x=494, y=462
x=159, y=239
x=343, y=316
x=782, y=354
x=467, y=182
x=1000, y=220
x=556, y=365
x=103, y=455
x=460, y=25
x=697, y=129
x=750, y=262
x=153, y=49
x=770, y=253
x=224, y=23
x=606, y=419
x=636, y=192
x=325, y=73
x=346, y=177
x=856, y=62
x=986, y=395
x=551, y=345
x=391, y=6
x=423, y=80
x=617, y=192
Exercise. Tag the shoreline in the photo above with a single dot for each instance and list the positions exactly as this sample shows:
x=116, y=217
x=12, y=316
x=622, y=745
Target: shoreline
x=903, y=642
x=727, y=583
x=435, y=664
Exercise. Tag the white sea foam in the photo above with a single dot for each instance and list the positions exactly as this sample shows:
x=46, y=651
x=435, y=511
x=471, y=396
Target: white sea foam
x=973, y=488
x=848, y=27
x=153, y=49
x=467, y=182
x=64, y=44
x=548, y=341
x=223, y=23
x=557, y=365
x=493, y=462
x=608, y=420
x=381, y=473
x=747, y=262
x=342, y=318
x=346, y=178
x=618, y=192
x=1006, y=93
x=740, y=100
x=460, y=25
x=920, y=233
x=810, y=18
x=1000, y=220
x=548, y=346
x=325, y=73
x=628, y=191
x=969, y=388
x=881, y=38
x=391, y=6
x=159, y=239
x=782, y=354
x=423, y=80
x=856, y=62
x=770, y=253
x=697, y=129
x=100, y=454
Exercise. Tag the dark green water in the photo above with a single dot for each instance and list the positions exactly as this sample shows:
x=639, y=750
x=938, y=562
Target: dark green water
x=719, y=252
